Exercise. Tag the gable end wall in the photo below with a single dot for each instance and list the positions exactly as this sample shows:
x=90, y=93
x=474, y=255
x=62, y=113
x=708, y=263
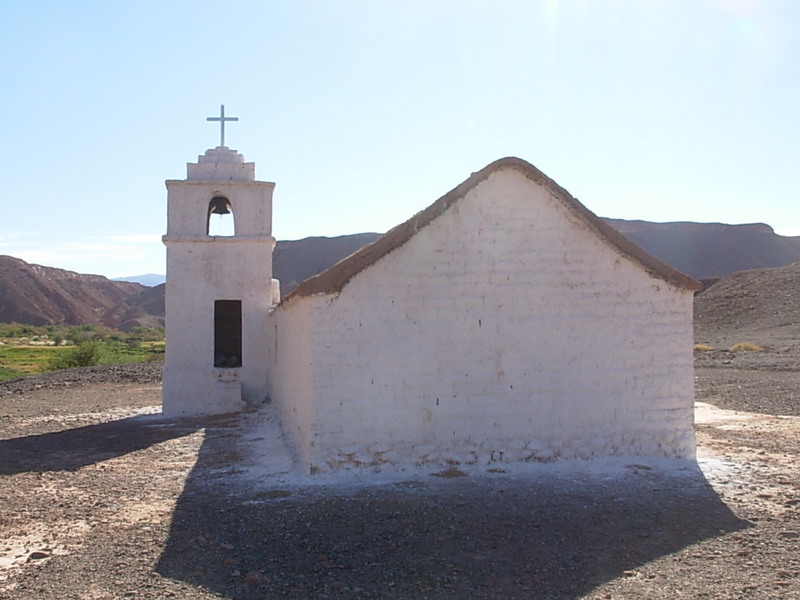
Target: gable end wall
x=503, y=330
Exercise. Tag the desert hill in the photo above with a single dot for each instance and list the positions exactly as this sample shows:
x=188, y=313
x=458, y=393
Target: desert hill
x=295, y=261
x=145, y=308
x=760, y=306
x=44, y=295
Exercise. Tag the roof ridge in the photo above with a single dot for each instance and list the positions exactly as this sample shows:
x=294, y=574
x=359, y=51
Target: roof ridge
x=333, y=280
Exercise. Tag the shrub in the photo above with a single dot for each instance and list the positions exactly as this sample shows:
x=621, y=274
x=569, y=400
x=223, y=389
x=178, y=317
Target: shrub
x=85, y=333
x=86, y=354
x=19, y=330
x=745, y=347
x=702, y=348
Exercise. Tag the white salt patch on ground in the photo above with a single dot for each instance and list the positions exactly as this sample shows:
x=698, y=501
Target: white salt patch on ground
x=268, y=462
x=114, y=414
x=720, y=470
x=266, y=452
x=708, y=414
x=714, y=467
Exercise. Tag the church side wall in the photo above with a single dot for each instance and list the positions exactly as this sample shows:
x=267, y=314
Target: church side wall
x=503, y=330
x=290, y=376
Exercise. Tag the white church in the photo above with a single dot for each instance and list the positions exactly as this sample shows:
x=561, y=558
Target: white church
x=505, y=322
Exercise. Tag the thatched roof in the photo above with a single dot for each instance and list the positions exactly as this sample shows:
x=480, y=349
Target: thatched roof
x=334, y=279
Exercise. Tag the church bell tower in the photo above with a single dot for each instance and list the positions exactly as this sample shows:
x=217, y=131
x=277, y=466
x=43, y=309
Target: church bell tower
x=219, y=285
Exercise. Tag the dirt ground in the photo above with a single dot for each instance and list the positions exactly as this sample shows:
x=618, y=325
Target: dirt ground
x=102, y=498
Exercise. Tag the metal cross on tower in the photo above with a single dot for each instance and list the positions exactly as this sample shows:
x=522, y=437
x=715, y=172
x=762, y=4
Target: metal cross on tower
x=222, y=118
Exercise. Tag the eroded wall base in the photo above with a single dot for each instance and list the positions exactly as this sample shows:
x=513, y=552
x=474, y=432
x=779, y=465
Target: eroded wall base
x=677, y=444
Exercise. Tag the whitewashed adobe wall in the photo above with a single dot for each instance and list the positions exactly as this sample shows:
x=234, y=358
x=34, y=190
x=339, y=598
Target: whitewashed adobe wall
x=291, y=374
x=503, y=330
x=203, y=268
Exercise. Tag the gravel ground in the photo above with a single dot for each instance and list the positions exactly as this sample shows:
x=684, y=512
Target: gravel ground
x=140, y=373
x=102, y=498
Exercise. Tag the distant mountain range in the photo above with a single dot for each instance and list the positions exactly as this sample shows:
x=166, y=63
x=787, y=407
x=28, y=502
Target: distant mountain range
x=710, y=250
x=150, y=279
x=44, y=295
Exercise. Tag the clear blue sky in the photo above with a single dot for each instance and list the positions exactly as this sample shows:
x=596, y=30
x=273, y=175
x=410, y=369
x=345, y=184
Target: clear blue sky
x=364, y=112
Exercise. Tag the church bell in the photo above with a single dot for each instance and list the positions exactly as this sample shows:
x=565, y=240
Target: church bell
x=219, y=206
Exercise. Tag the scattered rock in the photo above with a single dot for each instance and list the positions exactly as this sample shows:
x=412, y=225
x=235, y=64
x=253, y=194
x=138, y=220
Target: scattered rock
x=450, y=474
x=38, y=555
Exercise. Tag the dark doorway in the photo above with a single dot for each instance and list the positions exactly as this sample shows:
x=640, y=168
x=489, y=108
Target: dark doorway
x=228, y=333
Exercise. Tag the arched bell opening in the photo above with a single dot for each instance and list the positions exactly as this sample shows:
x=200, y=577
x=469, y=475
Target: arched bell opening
x=220, y=217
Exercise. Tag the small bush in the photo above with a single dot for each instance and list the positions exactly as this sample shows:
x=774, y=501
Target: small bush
x=702, y=348
x=86, y=354
x=745, y=347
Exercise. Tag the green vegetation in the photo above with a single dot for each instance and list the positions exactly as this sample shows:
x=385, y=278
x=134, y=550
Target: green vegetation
x=85, y=354
x=27, y=349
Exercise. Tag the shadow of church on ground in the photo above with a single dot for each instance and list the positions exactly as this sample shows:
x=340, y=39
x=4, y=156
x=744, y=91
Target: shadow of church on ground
x=489, y=536
x=71, y=449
